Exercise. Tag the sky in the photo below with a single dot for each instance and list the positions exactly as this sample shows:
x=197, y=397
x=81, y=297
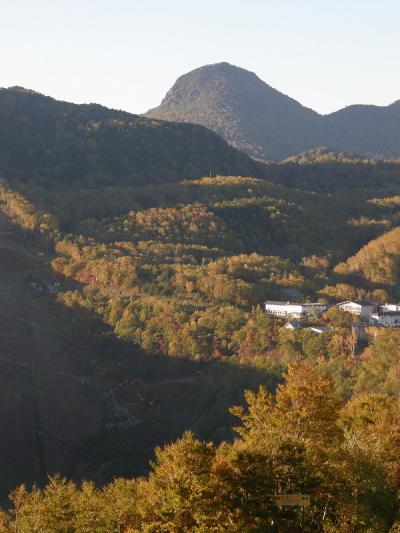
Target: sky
x=126, y=54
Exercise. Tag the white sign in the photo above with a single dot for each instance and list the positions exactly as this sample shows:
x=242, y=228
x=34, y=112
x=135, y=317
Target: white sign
x=292, y=500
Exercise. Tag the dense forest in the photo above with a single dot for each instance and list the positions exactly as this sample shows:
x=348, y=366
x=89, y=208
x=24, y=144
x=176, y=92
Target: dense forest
x=50, y=143
x=302, y=439
x=171, y=269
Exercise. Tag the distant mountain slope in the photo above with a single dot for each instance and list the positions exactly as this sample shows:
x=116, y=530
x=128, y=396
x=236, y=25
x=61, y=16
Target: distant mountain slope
x=323, y=154
x=235, y=103
x=267, y=124
x=47, y=142
x=378, y=261
x=365, y=129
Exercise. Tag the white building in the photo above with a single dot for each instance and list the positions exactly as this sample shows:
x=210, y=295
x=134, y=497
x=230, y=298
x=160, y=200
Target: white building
x=361, y=309
x=388, y=318
x=294, y=310
x=388, y=308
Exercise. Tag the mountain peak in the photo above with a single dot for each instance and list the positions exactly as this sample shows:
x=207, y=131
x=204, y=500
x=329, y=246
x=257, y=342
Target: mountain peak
x=216, y=77
x=236, y=104
x=222, y=68
x=269, y=125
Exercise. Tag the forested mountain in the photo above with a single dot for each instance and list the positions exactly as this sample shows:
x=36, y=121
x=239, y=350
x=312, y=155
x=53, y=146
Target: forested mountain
x=51, y=143
x=269, y=125
x=247, y=112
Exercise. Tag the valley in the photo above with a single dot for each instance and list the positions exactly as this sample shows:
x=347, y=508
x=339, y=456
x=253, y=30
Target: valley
x=199, y=267
x=136, y=336
x=75, y=399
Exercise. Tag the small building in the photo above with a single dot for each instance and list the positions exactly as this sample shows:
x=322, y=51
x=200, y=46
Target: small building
x=389, y=308
x=358, y=308
x=292, y=324
x=294, y=310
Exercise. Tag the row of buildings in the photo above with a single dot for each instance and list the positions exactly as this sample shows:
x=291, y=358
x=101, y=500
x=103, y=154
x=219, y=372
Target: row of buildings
x=368, y=312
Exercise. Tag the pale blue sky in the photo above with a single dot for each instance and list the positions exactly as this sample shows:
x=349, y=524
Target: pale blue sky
x=127, y=53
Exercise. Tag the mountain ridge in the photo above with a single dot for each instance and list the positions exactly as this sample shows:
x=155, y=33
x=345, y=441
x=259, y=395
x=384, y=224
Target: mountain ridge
x=52, y=142
x=267, y=124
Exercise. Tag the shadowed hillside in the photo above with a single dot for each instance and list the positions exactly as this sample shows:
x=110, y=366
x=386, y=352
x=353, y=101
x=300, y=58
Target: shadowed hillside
x=75, y=399
x=51, y=143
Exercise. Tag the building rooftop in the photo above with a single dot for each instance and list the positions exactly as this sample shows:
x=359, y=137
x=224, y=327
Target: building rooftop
x=272, y=302
x=319, y=329
x=356, y=302
x=295, y=324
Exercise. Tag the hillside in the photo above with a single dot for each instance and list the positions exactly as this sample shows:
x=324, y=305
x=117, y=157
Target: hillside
x=46, y=413
x=51, y=143
x=269, y=125
x=63, y=408
x=132, y=311
x=155, y=325
x=378, y=261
